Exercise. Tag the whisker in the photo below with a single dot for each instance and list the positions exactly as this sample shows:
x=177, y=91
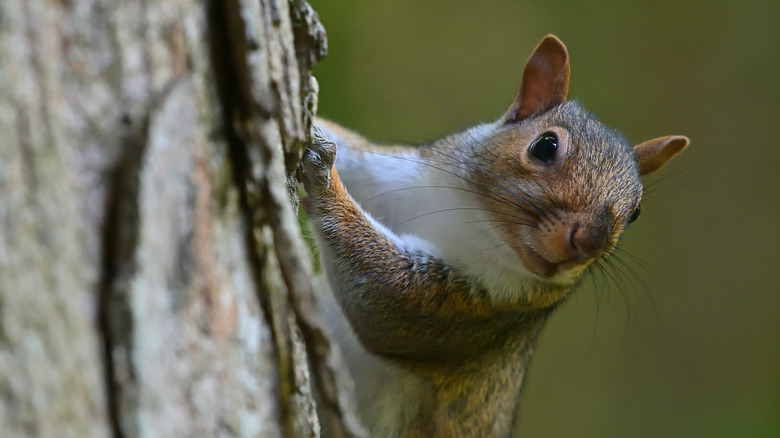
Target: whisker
x=612, y=273
x=468, y=133
x=435, y=212
x=492, y=247
x=509, y=190
x=528, y=224
x=389, y=192
x=604, y=280
x=644, y=264
x=487, y=191
x=669, y=175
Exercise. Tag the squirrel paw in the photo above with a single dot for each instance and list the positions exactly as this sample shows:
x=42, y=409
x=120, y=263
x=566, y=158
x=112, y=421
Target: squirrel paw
x=318, y=160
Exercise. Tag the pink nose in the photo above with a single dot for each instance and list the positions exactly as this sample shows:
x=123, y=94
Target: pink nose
x=586, y=242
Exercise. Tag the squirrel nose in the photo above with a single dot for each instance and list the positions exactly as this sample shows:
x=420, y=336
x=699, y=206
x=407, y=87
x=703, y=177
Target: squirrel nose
x=587, y=242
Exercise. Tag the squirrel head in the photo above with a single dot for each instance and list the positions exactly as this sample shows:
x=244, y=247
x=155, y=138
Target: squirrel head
x=561, y=187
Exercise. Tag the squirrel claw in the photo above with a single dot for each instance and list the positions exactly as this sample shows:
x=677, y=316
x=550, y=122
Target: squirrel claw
x=318, y=160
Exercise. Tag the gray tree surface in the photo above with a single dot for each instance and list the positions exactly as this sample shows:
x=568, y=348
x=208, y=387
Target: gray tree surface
x=153, y=282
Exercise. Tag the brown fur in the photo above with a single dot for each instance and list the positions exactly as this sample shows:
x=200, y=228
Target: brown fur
x=556, y=197
x=472, y=346
x=473, y=349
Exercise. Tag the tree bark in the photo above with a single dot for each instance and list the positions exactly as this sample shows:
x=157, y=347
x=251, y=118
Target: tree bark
x=152, y=277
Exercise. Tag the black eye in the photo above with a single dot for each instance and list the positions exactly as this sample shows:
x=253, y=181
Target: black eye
x=544, y=147
x=635, y=214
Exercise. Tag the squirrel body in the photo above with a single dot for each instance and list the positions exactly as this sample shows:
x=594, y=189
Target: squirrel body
x=426, y=201
x=445, y=260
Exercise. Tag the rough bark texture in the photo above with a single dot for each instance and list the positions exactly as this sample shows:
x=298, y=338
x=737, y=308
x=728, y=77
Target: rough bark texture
x=152, y=280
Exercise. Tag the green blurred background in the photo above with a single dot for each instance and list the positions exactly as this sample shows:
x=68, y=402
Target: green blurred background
x=693, y=349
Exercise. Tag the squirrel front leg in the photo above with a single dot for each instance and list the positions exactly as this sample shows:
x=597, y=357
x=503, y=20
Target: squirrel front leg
x=398, y=296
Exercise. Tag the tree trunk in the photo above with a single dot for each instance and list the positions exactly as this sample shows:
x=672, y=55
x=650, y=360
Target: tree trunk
x=152, y=277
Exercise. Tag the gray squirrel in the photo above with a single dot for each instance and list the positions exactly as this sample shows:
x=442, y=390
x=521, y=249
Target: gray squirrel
x=445, y=260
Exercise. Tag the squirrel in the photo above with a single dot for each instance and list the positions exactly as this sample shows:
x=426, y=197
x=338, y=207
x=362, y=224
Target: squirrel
x=445, y=260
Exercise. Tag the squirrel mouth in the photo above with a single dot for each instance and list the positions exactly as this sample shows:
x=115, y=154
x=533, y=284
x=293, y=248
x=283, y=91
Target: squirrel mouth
x=545, y=268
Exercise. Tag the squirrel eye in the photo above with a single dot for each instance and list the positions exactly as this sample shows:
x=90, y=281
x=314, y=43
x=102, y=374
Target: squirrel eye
x=544, y=147
x=635, y=214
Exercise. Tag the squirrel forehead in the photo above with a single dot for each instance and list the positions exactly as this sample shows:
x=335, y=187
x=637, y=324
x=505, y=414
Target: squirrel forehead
x=586, y=139
x=597, y=165
x=585, y=129
x=598, y=157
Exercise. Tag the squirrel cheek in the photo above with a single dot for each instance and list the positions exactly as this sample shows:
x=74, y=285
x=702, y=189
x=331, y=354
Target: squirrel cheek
x=534, y=253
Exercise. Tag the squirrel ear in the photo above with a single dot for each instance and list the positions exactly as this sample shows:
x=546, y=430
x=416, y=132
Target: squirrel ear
x=545, y=80
x=654, y=154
